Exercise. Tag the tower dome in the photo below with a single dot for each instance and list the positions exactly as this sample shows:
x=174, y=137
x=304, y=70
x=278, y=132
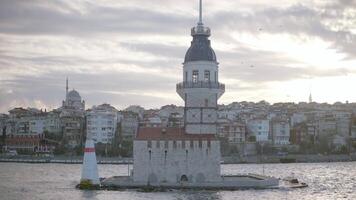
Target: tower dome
x=200, y=49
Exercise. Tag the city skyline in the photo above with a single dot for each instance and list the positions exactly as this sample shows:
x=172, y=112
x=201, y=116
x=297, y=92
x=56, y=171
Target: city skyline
x=278, y=51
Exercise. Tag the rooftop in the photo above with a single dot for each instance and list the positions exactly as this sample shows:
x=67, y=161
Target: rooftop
x=170, y=133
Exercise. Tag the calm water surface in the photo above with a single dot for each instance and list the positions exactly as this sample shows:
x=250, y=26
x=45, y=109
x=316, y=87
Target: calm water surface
x=57, y=181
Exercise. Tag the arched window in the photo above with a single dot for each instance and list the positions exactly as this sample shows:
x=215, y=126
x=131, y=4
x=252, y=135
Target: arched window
x=200, y=143
x=184, y=178
x=195, y=76
x=149, y=144
x=207, y=76
x=165, y=156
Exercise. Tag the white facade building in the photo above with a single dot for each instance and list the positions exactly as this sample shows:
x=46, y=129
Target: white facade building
x=53, y=123
x=258, y=128
x=280, y=132
x=102, y=123
x=190, y=154
x=37, y=124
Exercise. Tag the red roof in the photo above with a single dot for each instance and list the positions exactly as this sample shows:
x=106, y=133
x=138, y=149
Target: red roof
x=148, y=133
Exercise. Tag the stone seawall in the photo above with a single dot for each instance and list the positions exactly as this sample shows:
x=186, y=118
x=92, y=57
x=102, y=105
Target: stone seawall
x=225, y=160
x=300, y=158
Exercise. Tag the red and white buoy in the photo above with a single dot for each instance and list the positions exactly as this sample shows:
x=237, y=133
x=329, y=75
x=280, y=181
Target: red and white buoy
x=90, y=167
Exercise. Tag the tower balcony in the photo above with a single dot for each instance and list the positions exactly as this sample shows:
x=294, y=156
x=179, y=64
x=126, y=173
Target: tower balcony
x=200, y=30
x=200, y=84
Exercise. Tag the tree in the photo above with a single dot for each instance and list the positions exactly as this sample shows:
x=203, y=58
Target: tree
x=324, y=143
x=252, y=138
x=126, y=148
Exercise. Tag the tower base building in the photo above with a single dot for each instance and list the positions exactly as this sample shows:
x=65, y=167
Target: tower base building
x=170, y=155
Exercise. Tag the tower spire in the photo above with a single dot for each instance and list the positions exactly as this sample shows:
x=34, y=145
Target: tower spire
x=200, y=12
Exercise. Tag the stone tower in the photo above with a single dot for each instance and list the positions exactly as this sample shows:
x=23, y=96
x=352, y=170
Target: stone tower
x=200, y=88
x=189, y=155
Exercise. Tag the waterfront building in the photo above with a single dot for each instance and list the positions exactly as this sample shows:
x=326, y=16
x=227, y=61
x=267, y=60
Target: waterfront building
x=176, y=119
x=53, y=124
x=353, y=128
x=234, y=131
x=3, y=119
x=192, y=153
x=297, y=118
x=25, y=131
x=171, y=115
x=129, y=125
x=136, y=109
x=101, y=122
x=153, y=120
x=280, y=132
x=259, y=128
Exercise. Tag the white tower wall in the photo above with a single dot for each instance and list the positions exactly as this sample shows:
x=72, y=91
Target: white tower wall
x=160, y=164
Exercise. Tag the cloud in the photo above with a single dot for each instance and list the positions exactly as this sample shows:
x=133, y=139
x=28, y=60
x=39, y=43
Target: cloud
x=130, y=52
x=58, y=18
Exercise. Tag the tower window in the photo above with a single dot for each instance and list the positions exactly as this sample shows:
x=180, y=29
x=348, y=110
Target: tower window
x=207, y=76
x=206, y=102
x=186, y=76
x=195, y=76
x=165, y=156
x=149, y=144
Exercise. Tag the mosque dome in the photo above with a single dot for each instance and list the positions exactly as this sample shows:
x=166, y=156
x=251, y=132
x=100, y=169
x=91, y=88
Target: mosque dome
x=74, y=96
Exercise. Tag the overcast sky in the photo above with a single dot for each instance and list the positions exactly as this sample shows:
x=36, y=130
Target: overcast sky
x=131, y=52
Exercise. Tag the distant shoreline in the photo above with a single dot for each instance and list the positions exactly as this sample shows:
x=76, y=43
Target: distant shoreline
x=256, y=159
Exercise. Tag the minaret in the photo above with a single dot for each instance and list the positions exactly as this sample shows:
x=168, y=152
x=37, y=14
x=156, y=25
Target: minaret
x=66, y=88
x=200, y=88
x=310, y=98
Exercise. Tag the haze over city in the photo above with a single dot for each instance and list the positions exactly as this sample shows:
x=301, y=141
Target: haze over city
x=130, y=52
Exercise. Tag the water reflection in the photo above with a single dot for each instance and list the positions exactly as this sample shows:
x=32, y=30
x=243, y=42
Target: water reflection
x=199, y=195
x=89, y=195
